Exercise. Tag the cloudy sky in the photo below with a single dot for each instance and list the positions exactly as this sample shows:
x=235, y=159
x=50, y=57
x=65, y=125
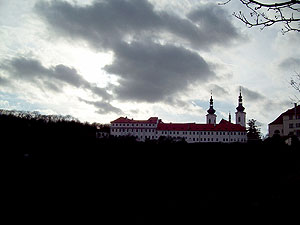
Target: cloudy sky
x=98, y=60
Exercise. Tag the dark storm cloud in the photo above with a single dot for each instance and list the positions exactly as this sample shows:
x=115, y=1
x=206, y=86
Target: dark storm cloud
x=290, y=63
x=105, y=23
x=152, y=72
x=54, y=77
x=215, y=23
x=132, y=29
x=252, y=95
x=103, y=107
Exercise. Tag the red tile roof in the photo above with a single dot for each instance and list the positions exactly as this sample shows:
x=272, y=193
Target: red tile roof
x=127, y=120
x=222, y=126
x=279, y=120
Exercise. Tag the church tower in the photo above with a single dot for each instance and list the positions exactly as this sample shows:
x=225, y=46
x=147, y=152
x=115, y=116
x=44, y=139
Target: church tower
x=240, y=115
x=211, y=117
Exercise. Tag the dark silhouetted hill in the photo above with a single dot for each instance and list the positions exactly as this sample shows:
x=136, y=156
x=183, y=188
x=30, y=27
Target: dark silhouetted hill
x=58, y=169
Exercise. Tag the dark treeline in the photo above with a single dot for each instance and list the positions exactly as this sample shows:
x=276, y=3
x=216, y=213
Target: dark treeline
x=58, y=166
x=33, y=130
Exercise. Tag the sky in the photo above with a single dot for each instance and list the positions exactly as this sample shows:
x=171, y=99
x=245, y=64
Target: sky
x=99, y=60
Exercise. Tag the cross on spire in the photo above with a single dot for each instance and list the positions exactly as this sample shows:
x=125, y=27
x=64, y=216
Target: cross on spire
x=240, y=107
x=211, y=109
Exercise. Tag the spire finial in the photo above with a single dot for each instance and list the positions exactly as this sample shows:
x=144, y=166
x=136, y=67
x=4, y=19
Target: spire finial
x=240, y=107
x=211, y=105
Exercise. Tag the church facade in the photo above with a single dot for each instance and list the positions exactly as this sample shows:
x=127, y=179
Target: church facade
x=153, y=128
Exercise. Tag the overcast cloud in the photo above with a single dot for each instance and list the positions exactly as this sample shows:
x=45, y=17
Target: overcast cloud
x=154, y=72
x=105, y=23
x=103, y=107
x=290, y=63
x=147, y=70
x=54, y=78
x=251, y=95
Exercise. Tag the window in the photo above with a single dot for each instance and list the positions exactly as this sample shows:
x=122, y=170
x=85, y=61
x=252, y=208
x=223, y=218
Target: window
x=207, y=139
x=291, y=125
x=290, y=117
x=208, y=133
x=297, y=124
x=204, y=133
x=239, y=119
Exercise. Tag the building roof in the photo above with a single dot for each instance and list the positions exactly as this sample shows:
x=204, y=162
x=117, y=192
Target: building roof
x=127, y=120
x=279, y=119
x=222, y=126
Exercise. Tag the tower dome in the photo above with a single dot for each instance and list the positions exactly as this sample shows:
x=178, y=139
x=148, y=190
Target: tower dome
x=211, y=116
x=211, y=109
x=240, y=115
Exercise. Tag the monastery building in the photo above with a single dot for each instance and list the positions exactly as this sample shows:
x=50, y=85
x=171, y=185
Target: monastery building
x=154, y=128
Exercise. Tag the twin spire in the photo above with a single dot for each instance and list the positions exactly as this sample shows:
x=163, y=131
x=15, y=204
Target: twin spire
x=240, y=108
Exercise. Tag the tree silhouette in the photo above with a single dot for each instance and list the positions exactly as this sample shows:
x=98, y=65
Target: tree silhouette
x=253, y=132
x=262, y=14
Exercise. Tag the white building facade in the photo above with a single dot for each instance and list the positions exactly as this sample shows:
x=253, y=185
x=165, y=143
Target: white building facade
x=154, y=128
x=288, y=123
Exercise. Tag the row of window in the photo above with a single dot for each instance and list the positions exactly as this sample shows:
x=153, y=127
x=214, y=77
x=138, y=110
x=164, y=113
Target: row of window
x=205, y=132
x=197, y=139
x=181, y=132
x=132, y=130
x=133, y=125
x=291, y=125
x=291, y=117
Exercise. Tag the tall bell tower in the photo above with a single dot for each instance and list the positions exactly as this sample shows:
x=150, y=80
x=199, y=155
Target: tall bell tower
x=240, y=115
x=211, y=117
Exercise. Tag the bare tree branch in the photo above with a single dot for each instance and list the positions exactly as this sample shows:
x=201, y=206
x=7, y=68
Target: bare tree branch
x=267, y=14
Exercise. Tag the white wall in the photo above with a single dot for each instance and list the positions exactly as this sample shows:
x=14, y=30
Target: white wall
x=149, y=131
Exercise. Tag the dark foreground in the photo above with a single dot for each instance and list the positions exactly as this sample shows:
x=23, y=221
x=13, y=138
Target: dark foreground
x=152, y=184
